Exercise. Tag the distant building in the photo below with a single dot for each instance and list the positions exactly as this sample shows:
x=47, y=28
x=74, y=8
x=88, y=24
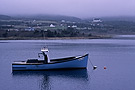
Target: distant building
x=96, y=20
x=13, y=30
x=74, y=26
x=63, y=21
x=52, y=25
x=29, y=29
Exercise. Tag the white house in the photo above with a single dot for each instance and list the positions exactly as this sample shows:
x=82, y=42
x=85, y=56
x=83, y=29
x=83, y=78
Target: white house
x=63, y=21
x=52, y=25
x=96, y=20
x=74, y=26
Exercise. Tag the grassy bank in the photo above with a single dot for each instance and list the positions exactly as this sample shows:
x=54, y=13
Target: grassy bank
x=54, y=38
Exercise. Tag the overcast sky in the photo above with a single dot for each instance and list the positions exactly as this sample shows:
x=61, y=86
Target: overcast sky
x=78, y=8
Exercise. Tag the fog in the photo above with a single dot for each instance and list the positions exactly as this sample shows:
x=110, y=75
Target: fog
x=77, y=8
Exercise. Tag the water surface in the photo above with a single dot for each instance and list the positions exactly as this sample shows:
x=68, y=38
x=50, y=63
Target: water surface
x=118, y=55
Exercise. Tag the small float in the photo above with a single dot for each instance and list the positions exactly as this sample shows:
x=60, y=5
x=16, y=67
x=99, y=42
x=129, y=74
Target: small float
x=74, y=62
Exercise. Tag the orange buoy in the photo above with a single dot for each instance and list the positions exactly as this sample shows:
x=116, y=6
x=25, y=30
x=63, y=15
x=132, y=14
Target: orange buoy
x=104, y=67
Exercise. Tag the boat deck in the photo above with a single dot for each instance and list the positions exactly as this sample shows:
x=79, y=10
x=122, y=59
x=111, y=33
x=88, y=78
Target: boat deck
x=52, y=61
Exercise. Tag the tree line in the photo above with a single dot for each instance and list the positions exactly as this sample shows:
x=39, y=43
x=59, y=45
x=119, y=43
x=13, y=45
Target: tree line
x=69, y=32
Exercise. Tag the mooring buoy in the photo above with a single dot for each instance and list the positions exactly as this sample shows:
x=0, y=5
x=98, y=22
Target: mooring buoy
x=104, y=67
x=94, y=67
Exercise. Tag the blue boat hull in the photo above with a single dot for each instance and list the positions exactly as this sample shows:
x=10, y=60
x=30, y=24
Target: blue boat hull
x=75, y=63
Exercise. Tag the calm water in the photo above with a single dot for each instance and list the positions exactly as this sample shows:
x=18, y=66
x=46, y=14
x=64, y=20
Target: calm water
x=118, y=55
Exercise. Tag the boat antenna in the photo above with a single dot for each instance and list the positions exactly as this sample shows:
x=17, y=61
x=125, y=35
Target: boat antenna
x=44, y=36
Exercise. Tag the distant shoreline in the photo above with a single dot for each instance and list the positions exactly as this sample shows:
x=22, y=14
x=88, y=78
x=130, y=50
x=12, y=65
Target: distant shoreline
x=55, y=38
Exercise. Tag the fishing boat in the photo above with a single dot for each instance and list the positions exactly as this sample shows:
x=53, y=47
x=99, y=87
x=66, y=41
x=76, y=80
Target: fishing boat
x=74, y=62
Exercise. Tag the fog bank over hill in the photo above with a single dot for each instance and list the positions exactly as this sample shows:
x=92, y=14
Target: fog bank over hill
x=66, y=18
x=41, y=17
x=114, y=18
x=76, y=8
x=49, y=17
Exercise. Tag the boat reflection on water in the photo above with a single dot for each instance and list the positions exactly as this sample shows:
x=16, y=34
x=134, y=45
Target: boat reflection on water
x=46, y=78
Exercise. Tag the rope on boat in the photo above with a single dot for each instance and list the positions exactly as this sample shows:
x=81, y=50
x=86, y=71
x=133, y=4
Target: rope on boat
x=94, y=67
x=91, y=62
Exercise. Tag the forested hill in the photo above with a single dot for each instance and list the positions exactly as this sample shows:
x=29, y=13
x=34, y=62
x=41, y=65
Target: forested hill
x=5, y=17
x=49, y=17
x=42, y=17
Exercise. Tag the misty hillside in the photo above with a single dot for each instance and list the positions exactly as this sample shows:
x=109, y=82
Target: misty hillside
x=66, y=18
x=50, y=17
x=116, y=18
x=119, y=18
x=4, y=17
x=41, y=17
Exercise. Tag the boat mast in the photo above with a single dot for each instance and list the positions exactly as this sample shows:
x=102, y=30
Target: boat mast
x=45, y=49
